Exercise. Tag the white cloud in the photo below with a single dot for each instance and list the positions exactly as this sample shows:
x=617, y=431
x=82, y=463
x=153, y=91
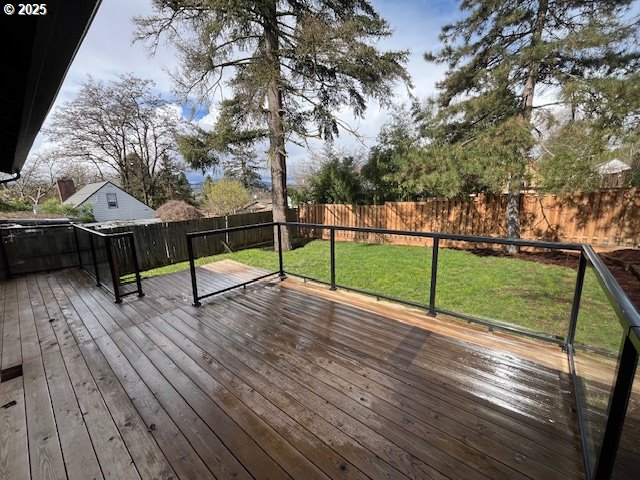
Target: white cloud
x=208, y=121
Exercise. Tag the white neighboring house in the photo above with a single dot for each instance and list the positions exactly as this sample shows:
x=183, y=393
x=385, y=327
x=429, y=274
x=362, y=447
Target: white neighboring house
x=110, y=202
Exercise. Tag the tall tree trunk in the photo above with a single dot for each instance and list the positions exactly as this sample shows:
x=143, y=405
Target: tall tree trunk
x=277, y=152
x=512, y=214
x=534, y=65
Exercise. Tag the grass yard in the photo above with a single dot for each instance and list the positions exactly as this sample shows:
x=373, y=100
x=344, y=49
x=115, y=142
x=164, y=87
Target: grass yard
x=523, y=293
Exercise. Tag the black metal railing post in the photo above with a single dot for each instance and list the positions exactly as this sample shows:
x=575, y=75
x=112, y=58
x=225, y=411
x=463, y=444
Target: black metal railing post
x=280, y=261
x=77, y=241
x=332, y=249
x=115, y=277
x=577, y=297
x=136, y=265
x=434, y=277
x=95, y=260
x=617, y=411
x=192, y=268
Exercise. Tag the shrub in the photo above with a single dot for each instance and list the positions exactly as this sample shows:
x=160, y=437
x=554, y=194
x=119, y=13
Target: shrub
x=177, y=210
x=82, y=214
x=14, y=205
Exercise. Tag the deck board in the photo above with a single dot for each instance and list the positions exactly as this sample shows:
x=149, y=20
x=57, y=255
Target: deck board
x=145, y=451
x=178, y=450
x=112, y=454
x=11, y=343
x=278, y=380
x=77, y=449
x=45, y=452
x=14, y=451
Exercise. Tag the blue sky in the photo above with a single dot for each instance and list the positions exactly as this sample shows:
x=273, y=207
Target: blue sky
x=107, y=51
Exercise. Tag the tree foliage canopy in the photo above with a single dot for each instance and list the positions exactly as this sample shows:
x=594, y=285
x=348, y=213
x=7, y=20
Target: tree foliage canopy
x=337, y=181
x=224, y=196
x=397, y=139
x=324, y=59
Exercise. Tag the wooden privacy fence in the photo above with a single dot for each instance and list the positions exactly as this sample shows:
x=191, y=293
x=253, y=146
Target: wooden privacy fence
x=607, y=218
x=37, y=249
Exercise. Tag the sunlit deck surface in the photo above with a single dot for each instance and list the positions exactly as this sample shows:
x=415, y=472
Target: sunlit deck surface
x=280, y=380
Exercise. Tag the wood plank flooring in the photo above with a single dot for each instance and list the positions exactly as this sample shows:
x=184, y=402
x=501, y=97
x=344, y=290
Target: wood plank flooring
x=274, y=381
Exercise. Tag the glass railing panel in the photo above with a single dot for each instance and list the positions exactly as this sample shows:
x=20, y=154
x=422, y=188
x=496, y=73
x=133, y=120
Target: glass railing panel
x=531, y=289
x=598, y=347
x=397, y=266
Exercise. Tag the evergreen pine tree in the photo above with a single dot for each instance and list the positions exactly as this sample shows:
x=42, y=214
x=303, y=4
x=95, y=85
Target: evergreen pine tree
x=503, y=55
x=287, y=68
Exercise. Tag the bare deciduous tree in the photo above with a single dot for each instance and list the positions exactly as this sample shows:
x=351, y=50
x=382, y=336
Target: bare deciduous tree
x=41, y=172
x=123, y=127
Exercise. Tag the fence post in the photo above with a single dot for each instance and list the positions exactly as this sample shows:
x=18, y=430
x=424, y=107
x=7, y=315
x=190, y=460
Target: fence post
x=192, y=268
x=136, y=266
x=77, y=241
x=115, y=278
x=332, y=245
x=280, y=262
x=617, y=411
x=95, y=260
x=434, y=277
x=577, y=296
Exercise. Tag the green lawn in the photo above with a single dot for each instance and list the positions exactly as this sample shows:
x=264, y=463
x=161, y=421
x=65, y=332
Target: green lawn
x=524, y=293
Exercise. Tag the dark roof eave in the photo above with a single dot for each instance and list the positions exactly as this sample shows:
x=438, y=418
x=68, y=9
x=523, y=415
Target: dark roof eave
x=42, y=50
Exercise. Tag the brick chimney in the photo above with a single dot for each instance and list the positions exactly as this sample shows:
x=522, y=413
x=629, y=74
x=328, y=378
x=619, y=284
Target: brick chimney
x=66, y=188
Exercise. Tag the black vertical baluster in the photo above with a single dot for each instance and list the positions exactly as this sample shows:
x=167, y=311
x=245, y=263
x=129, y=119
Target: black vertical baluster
x=192, y=267
x=136, y=266
x=577, y=296
x=95, y=260
x=434, y=277
x=115, y=278
x=280, y=260
x=75, y=236
x=332, y=241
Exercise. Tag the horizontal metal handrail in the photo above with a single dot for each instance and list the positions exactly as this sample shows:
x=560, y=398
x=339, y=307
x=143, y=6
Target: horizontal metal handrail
x=101, y=234
x=220, y=231
x=443, y=236
x=624, y=308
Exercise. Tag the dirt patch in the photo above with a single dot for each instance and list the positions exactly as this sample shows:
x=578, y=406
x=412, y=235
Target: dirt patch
x=625, y=266
x=627, y=280
x=619, y=262
x=629, y=255
x=552, y=257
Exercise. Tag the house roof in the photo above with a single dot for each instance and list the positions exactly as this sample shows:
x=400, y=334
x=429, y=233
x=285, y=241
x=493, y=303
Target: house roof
x=41, y=50
x=613, y=166
x=84, y=193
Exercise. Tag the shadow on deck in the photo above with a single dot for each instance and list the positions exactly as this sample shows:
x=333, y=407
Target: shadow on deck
x=278, y=380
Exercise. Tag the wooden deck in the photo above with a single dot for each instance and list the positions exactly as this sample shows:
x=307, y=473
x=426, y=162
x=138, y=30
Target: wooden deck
x=277, y=381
